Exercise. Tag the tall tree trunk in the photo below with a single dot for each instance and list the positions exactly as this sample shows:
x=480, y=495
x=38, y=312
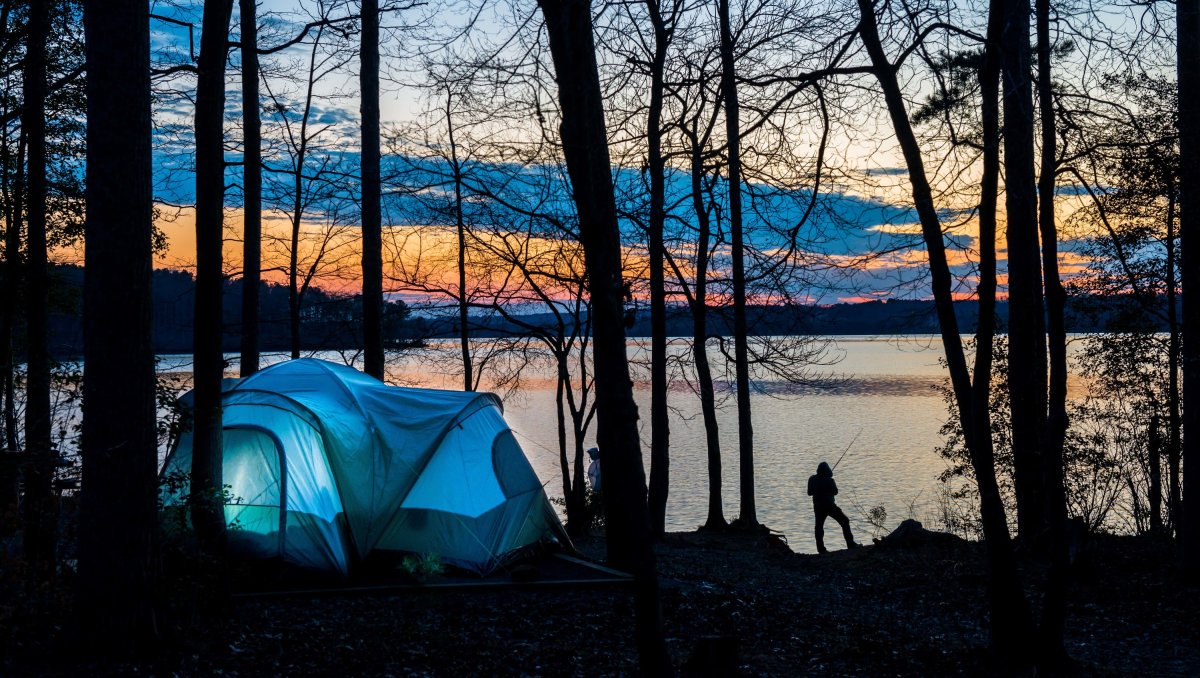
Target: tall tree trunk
x=1008, y=608
x=251, y=188
x=748, y=516
x=10, y=277
x=660, y=432
x=564, y=462
x=1026, y=324
x=708, y=398
x=464, y=332
x=117, y=580
x=1174, y=348
x=208, y=511
x=13, y=244
x=585, y=148
x=574, y=490
x=1154, y=452
x=11, y=272
x=295, y=289
x=294, y=299
x=1188, y=45
x=1052, y=651
x=41, y=511
x=372, y=256
x=1010, y=616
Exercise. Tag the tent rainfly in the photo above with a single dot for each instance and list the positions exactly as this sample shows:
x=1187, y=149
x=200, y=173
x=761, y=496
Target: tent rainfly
x=327, y=465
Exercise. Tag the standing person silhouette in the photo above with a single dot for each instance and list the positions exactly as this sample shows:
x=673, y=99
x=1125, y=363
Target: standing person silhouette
x=822, y=489
x=593, y=472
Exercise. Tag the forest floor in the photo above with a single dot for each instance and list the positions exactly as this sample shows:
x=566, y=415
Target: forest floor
x=915, y=610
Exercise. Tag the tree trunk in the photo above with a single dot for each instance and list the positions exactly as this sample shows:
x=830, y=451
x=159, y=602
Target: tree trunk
x=748, y=516
x=10, y=274
x=1026, y=324
x=372, y=255
x=1009, y=612
x=251, y=188
x=8, y=302
x=564, y=462
x=464, y=332
x=1174, y=349
x=1154, y=452
x=13, y=244
x=118, y=574
x=1010, y=616
x=295, y=289
x=708, y=398
x=1188, y=45
x=574, y=491
x=585, y=148
x=294, y=267
x=41, y=511
x=660, y=432
x=208, y=511
x=1052, y=651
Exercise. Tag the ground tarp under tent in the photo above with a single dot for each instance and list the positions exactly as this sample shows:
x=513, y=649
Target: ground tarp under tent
x=328, y=465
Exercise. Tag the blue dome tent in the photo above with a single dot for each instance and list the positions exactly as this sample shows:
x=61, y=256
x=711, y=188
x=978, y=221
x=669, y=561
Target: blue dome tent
x=328, y=465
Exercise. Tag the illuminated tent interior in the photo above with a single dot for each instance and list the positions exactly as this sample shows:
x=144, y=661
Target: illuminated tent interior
x=327, y=465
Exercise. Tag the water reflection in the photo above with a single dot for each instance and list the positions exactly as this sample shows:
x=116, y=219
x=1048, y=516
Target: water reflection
x=880, y=384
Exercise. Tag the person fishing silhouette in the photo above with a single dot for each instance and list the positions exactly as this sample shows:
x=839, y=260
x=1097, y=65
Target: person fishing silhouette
x=822, y=489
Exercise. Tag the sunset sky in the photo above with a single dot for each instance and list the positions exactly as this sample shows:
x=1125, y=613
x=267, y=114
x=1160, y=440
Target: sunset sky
x=862, y=239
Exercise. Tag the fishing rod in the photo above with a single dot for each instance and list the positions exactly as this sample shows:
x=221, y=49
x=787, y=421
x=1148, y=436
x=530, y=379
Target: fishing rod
x=852, y=441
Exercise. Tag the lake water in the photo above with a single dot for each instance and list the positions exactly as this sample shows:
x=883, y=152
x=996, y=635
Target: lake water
x=884, y=412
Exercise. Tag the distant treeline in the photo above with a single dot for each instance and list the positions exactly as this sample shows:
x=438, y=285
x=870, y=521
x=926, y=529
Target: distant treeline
x=1084, y=314
x=333, y=321
x=327, y=321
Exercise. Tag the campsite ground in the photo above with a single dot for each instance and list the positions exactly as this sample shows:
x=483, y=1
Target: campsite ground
x=916, y=610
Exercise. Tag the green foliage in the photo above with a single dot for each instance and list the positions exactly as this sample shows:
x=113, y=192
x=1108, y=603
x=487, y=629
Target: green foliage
x=592, y=516
x=960, y=500
x=422, y=566
x=957, y=76
x=175, y=500
x=1133, y=253
x=65, y=124
x=1096, y=453
x=1131, y=223
x=877, y=519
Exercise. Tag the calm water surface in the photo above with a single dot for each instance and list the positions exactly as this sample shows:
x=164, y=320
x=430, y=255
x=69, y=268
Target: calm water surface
x=884, y=413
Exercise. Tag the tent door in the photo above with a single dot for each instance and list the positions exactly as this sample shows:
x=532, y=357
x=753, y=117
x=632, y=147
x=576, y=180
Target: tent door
x=254, y=469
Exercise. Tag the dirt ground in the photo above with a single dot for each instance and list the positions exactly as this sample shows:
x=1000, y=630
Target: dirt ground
x=910, y=611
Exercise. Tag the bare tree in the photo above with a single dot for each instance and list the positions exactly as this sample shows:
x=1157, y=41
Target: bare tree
x=1188, y=46
x=1010, y=615
x=519, y=252
x=748, y=517
x=1053, y=651
x=460, y=228
x=690, y=261
x=372, y=246
x=251, y=188
x=41, y=514
x=315, y=180
x=208, y=511
x=697, y=129
x=585, y=147
x=660, y=443
x=1026, y=314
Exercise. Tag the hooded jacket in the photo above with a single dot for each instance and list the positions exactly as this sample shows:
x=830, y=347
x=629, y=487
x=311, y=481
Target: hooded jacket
x=821, y=486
